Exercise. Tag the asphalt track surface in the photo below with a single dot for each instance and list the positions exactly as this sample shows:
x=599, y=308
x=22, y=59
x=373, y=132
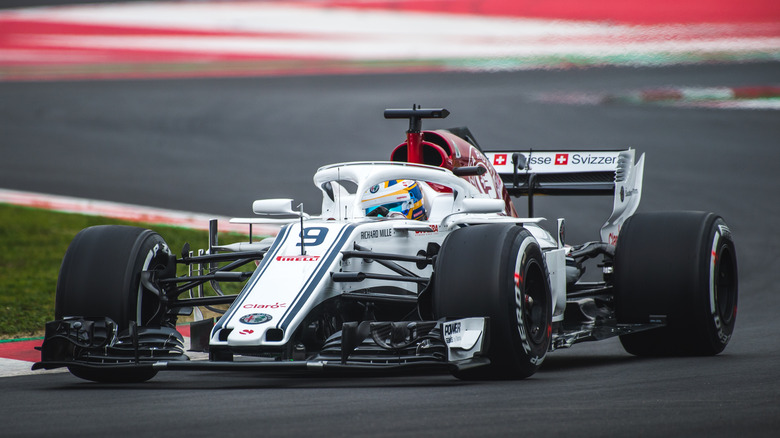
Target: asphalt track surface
x=214, y=145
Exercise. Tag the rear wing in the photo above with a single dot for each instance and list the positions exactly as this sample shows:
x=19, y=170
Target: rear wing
x=575, y=173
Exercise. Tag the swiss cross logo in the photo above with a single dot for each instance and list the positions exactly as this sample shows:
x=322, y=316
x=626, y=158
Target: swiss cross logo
x=499, y=159
x=561, y=159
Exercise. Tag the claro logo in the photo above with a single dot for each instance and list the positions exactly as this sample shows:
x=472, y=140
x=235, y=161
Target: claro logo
x=265, y=306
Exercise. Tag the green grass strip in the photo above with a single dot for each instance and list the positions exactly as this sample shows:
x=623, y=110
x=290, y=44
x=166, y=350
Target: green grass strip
x=5, y=341
x=32, y=244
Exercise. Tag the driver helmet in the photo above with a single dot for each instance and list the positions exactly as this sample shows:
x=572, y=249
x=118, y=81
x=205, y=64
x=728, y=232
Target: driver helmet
x=401, y=197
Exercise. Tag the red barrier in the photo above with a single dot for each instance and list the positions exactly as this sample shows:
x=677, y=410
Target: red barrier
x=635, y=12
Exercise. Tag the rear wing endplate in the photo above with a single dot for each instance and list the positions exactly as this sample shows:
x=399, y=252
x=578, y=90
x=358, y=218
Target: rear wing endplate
x=575, y=173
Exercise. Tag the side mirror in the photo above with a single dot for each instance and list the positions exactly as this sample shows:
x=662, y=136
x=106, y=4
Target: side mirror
x=469, y=171
x=276, y=207
x=482, y=205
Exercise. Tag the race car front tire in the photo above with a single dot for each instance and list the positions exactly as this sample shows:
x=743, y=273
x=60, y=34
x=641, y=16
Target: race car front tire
x=100, y=276
x=681, y=268
x=497, y=271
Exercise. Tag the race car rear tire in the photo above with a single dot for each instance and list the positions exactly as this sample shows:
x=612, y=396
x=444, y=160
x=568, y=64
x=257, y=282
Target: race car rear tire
x=497, y=271
x=681, y=266
x=100, y=276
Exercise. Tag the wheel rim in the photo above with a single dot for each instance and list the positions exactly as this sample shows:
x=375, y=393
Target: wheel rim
x=725, y=286
x=149, y=305
x=535, y=304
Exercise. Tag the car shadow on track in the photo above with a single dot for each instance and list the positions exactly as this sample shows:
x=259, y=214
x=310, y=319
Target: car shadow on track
x=236, y=380
x=223, y=380
x=555, y=363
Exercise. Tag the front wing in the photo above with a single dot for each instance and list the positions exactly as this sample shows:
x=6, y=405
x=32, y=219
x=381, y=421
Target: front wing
x=366, y=347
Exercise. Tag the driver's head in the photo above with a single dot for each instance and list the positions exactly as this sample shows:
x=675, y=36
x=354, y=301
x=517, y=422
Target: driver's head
x=400, y=197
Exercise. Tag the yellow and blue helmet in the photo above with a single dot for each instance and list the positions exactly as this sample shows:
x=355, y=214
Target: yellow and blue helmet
x=395, y=196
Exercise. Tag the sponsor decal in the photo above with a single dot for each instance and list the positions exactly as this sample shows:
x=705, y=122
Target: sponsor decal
x=533, y=159
x=571, y=159
x=265, y=306
x=561, y=159
x=613, y=238
x=499, y=159
x=375, y=234
x=299, y=258
x=246, y=332
x=452, y=332
x=434, y=229
x=593, y=159
x=256, y=318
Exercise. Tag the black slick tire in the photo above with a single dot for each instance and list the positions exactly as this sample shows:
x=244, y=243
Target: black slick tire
x=100, y=277
x=497, y=271
x=681, y=266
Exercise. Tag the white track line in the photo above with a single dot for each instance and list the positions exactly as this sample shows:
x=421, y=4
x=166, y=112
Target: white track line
x=11, y=367
x=129, y=212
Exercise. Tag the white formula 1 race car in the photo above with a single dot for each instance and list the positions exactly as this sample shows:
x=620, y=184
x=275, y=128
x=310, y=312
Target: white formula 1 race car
x=414, y=263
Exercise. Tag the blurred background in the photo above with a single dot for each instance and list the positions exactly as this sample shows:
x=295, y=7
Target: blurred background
x=205, y=106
